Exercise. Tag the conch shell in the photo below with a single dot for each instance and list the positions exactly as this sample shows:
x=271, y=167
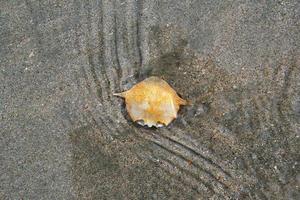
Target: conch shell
x=152, y=102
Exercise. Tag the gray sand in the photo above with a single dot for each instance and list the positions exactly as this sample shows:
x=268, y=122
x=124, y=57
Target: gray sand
x=64, y=136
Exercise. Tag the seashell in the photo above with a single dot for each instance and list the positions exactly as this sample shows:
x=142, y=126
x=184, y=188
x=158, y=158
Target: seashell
x=152, y=102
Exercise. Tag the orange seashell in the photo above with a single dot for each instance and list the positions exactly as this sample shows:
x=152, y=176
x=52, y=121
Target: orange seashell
x=152, y=102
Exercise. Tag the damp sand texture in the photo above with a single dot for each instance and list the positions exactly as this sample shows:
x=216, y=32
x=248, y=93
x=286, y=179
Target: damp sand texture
x=63, y=135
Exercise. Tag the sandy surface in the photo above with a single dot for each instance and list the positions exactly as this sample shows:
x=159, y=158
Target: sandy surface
x=64, y=136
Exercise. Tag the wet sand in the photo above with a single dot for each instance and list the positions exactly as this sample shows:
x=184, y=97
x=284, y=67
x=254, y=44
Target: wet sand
x=63, y=135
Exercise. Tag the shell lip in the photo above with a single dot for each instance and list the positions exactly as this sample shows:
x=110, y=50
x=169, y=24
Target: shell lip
x=150, y=125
